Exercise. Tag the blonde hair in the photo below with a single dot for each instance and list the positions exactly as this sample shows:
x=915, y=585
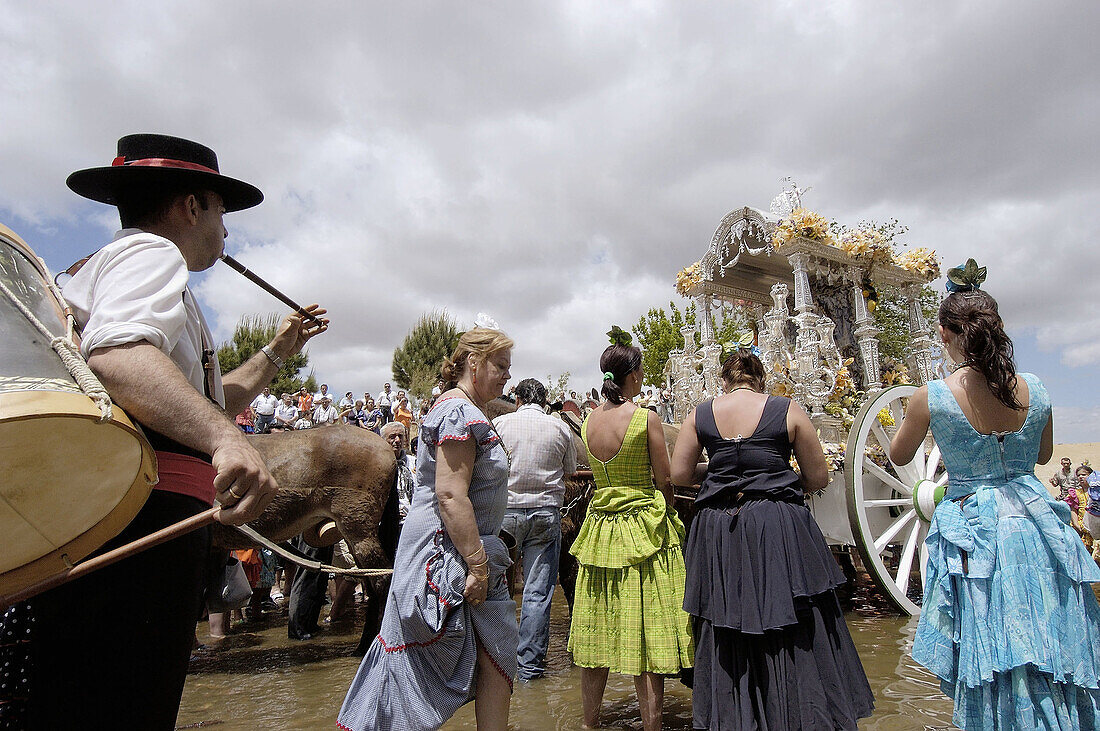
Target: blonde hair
x=479, y=341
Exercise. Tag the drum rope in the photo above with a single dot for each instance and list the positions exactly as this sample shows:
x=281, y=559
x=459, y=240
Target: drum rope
x=69, y=353
x=307, y=563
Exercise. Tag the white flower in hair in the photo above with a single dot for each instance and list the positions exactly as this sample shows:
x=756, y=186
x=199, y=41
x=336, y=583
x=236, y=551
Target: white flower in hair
x=486, y=321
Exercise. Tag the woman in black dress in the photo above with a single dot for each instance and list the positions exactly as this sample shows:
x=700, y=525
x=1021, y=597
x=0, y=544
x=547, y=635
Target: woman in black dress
x=772, y=650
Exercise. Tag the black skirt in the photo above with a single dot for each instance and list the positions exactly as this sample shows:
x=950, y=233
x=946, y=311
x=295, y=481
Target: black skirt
x=772, y=650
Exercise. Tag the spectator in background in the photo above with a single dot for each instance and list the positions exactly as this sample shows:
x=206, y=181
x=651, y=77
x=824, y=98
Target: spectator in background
x=286, y=413
x=384, y=402
x=321, y=394
x=1081, y=491
x=263, y=411
x=664, y=409
x=305, y=401
x=403, y=413
x=244, y=421
x=396, y=434
x=326, y=413
x=542, y=454
x=358, y=414
x=374, y=417
x=305, y=420
x=1064, y=480
x=347, y=402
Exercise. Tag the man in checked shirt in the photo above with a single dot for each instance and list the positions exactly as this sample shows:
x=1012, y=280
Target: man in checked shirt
x=542, y=452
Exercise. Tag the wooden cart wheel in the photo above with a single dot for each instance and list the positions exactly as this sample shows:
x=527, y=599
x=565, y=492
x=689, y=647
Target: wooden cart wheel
x=890, y=505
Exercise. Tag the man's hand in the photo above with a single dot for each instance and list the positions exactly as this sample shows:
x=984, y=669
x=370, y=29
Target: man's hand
x=296, y=331
x=244, y=485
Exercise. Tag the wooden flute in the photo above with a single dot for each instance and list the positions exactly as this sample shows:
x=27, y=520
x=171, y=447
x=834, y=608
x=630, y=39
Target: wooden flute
x=257, y=280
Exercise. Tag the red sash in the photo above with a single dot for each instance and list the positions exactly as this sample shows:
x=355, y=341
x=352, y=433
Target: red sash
x=185, y=475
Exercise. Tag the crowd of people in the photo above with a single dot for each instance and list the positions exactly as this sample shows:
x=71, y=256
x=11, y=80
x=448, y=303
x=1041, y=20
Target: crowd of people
x=744, y=608
x=1079, y=488
x=304, y=410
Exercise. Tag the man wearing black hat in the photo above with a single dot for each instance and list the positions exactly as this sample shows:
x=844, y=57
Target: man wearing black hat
x=111, y=650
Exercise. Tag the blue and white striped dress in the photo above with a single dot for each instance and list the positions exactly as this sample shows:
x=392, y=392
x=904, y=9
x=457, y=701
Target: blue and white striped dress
x=423, y=665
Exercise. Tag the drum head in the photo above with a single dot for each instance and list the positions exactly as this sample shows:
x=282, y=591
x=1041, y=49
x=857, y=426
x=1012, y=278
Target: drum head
x=71, y=482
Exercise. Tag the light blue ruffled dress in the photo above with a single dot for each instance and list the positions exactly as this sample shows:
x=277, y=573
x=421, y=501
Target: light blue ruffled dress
x=1009, y=623
x=423, y=665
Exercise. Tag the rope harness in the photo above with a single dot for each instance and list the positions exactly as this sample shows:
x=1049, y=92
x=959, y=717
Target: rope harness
x=308, y=563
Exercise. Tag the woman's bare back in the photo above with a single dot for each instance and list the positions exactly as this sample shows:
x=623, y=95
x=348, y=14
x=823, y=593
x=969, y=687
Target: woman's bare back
x=607, y=427
x=981, y=408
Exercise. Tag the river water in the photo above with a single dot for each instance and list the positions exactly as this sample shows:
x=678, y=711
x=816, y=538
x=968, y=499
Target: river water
x=257, y=678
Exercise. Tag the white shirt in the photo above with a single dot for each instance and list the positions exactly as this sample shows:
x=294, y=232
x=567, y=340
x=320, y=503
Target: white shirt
x=318, y=396
x=303, y=424
x=542, y=454
x=134, y=289
x=286, y=413
x=384, y=399
x=322, y=416
x=265, y=405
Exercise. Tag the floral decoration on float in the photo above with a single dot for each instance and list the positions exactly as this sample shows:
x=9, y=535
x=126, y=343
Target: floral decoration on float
x=802, y=223
x=688, y=278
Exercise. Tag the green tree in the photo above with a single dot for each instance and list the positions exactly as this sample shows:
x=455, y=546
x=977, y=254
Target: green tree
x=254, y=332
x=417, y=361
x=556, y=388
x=891, y=316
x=658, y=334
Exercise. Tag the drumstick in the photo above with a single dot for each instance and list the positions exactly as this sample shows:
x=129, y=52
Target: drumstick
x=255, y=279
x=106, y=559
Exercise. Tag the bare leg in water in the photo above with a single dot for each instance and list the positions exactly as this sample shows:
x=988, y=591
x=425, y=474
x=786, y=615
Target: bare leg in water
x=493, y=695
x=651, y=696
x=593, y=682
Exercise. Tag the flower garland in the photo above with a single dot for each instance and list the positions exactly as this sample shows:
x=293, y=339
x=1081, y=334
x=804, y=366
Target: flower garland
x=920, y=261
x=867, y=243
x=688, y=278
x=802, y=223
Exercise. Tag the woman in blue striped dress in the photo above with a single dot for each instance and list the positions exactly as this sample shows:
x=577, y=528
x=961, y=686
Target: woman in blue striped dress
x=449, y=632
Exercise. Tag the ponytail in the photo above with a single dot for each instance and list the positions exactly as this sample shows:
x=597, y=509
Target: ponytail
x=619, y=361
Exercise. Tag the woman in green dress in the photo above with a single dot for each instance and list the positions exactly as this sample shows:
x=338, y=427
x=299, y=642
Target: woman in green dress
x=628, y=612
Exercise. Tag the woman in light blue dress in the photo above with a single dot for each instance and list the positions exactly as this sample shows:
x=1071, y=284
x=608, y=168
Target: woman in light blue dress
x=1009, y=623
x=449, y=632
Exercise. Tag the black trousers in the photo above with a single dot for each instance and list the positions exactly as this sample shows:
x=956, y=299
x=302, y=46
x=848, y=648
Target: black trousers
x=110, y=650
x=307, y=594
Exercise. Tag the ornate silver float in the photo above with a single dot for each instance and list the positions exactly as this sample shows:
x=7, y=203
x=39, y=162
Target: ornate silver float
x=828, y=341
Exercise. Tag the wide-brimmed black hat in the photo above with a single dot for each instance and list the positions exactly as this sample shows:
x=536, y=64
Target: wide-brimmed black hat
x=145, y=161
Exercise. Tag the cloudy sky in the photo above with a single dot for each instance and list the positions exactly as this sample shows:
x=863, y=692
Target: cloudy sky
x=555, y=164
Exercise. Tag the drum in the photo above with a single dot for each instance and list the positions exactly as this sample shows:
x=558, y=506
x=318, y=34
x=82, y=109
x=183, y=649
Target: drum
x=71, y=481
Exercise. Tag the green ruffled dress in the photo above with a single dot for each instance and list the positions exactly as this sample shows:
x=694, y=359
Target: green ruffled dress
x=628, y=610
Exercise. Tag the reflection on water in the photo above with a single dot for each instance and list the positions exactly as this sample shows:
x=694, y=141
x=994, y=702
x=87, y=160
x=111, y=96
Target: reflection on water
x=259, y=678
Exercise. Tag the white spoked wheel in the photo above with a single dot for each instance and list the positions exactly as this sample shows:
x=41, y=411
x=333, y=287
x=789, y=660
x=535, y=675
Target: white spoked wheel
x=890, y=505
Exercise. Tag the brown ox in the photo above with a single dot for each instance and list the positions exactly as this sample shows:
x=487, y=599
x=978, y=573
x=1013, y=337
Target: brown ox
x=339, y=473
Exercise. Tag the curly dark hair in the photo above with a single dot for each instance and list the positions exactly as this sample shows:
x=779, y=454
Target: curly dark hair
x=620, y=361
x=531, y=391
x=974, y=318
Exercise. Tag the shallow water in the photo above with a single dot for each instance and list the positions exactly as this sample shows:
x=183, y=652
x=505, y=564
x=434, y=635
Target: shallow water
x=259, y=678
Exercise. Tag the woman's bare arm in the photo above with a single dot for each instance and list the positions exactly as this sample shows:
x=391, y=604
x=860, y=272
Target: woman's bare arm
x=686, y=453
x=658, y=456
x=807, y=449
x=913, y=428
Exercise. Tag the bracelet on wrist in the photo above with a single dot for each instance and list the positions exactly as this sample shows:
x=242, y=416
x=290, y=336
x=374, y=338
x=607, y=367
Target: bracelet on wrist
x=271, y=356
x=480, y=549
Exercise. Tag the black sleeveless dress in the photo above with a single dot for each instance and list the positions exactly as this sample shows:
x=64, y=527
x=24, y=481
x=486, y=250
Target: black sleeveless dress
x=772, y=650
